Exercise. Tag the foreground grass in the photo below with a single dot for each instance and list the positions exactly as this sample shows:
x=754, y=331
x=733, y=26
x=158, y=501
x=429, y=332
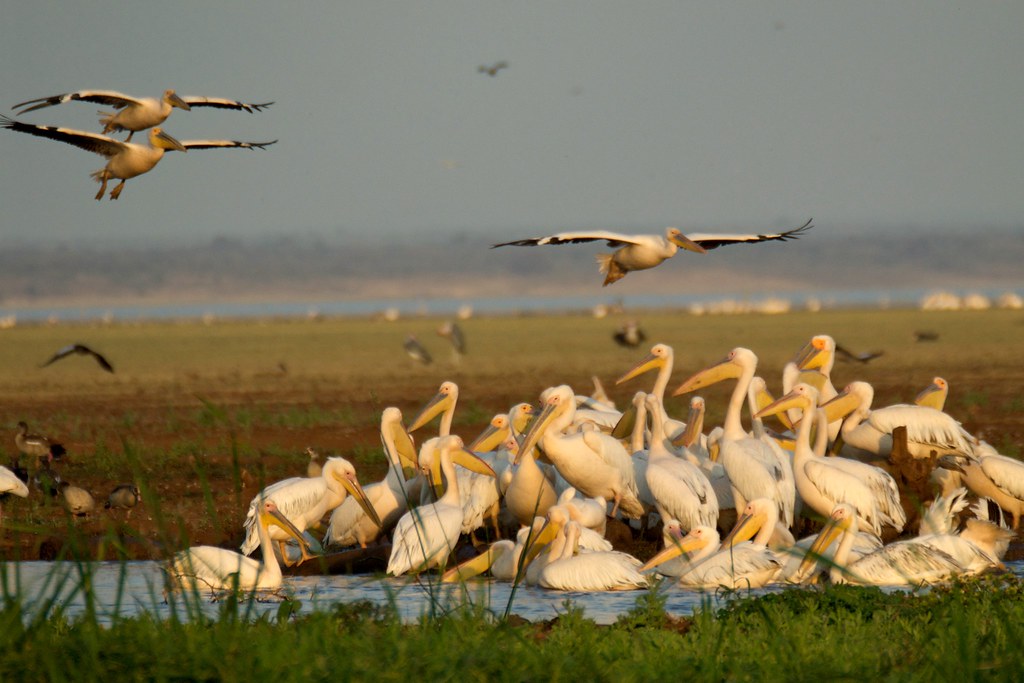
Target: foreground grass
x=970, y=631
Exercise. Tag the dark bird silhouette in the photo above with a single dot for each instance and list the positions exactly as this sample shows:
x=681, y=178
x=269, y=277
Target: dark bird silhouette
x=37, y=445
x=493, y=69
x=453, y=333
x=124, y=497
x=416, y=350
x=47, y=480
x=925, y=336
x=629, y=335
x=81, y=350
x=847, y=355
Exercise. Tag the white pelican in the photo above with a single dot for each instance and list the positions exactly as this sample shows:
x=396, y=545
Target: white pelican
x=531, y=491
x=138, y=113
x=755, y=468
x=443, y=403
x=591, y=513
x=814, y=363
x=502, y=558
x=681, y=491
x=661, y=359
x=313, y=467
x=9, y=483
x=566, y=568
x=934, y=395
x=349, y=522
x=589, y=539
x=898, y=564
x=479, y=493
x=215, y=568
x=870, y=431
x=426, y=535
x=305, y=501
x=639, y=252
x=825, y=482
x=991, y=475
x=746, y=565
x=595, y=464
x=126, y=159
x=979, y=546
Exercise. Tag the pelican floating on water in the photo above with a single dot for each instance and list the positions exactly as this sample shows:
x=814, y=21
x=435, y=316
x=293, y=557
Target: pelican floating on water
x=639, y=252
x=138, y=113
x=215, y=568
x=564, y=567
x=711, y=565
x=126, y=159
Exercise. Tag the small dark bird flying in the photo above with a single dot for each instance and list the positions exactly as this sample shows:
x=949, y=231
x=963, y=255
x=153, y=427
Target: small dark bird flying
x=493, y=69
x=82, y=350
x=847, y=355
x=925, y=336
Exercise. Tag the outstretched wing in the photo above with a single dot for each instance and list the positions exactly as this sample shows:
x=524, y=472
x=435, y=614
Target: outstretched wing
x=712, y=241
x=91, y=142
x=215, y=144
x=613, y=239
x=222, y=103
x=110, y=98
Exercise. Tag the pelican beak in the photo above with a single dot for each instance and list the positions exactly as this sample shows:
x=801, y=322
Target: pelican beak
x=684, y=242
x=778, y=407
x=714, y=450
x=175, y=101
x=689, y=436
x=171, y=141
x=650, y=362
x=538, y=426
x=472, y=462
x=722, y=370
x=522, y=419
x=489, y=439
x=833, y=529
x=470, y=568
x=950, y=462
x=355, y=490
x=624, y=427
x=686, y=544
x=746, y=526
x=815, y=378
x=277, y=518
x=543, y=539
x=437, y=405
x=931, y=390
x=406, y=451
x=435, y=476
x=764, y=399
x=812, y=356
x=841, y=405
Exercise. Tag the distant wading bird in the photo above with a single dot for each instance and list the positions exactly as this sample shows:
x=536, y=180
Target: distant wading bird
x=639, y=252
x=134, y=113
x=81, y=350
x=126, y=159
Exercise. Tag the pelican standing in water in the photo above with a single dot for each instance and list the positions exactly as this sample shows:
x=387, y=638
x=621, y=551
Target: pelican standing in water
x=639, y=252
x=138, y=113
x=305, y=501
x=126, y=159
x=215, y=568
x=425, y=536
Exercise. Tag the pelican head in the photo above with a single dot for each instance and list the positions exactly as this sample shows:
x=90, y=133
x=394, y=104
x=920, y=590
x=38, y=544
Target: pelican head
x=163, y=140
x=676, y=544
x=755, y=516
x=934, y=395
x=452, y=447
x=817, y=353
x=443, y=400
x=843, y=519
x=519, y=417
x=171, y=98
x=730, y=367
x=344, y=473
x=479, y=564
x=269, y=514
x=494, y=434
x=694, y=424
x=676, y=237
x=660, y=355
x=854, y=396
x=556, y=400
x=803, y=396
x=391, y=425
x=544, y=530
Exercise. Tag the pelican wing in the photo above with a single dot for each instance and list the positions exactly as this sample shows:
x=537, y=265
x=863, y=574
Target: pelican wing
x=713, y=241
x=90, y=142
x=880, y=483
x=214, y=144
x=924, y=425
x=110, y=98
x=613, y=239
x=594, y=571
x=222, y=103
x=9, y=483
x=904, y=563
x=1006, y=473
x=843, y=487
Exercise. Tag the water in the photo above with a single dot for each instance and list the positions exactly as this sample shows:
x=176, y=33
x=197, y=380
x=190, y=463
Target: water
x=133, y=588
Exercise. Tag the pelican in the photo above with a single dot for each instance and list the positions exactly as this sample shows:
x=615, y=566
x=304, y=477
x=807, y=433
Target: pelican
x=531, y=491
x=138, y=113
x=443, y=403
x=747, y=565
x=563, y=569
x=595, y=464
x=991, y=475
x=870, y=431
x=126, y=159
x=897, y=564
x=305, y=501
x=591, y=513
x=825, y=482
x=9, y=483
x=425, y=536
x=478, y=489
x=814, y=363
x=934, y=395
x=661, y=359
x=220, y=569
x=389, y=498
x=979, y=546
x=502, y=558
x=755, y=468
x=639, y=252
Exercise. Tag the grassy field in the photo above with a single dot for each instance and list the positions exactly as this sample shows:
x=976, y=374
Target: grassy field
x=206, y=414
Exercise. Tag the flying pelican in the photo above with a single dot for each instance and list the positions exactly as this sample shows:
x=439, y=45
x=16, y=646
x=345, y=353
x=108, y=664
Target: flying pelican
x=10, y=484
x=897, y=564
x=747, y=565
x=426, y=535
x=126, y=159
x=991, y=475
x=305, y=501
x=639, y=252
x=215, y=568
x=349, y=522
x=81, y=350
x=825, y=482
x=595, y=464
x=566, y=568
x=134, y=113
x=934, y=395
x=870, y=431
x=755, y=469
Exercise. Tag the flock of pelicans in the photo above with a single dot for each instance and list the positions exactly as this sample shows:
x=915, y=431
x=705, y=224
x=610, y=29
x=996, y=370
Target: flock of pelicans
x=555, y=478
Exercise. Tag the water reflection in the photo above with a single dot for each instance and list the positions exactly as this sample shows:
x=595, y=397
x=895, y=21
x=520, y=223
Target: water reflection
x=131, y=588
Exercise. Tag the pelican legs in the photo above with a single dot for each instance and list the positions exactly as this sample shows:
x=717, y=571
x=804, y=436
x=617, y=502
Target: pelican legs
x=103, y=188
x=116, y=192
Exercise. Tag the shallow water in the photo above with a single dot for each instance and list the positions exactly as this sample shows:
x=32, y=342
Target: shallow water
x=133, y=588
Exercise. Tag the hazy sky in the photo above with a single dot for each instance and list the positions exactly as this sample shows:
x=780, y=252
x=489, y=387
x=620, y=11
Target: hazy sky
x=629, y=115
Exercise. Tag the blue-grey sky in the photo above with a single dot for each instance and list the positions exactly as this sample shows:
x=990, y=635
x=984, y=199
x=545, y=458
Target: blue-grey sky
x=613, y=115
